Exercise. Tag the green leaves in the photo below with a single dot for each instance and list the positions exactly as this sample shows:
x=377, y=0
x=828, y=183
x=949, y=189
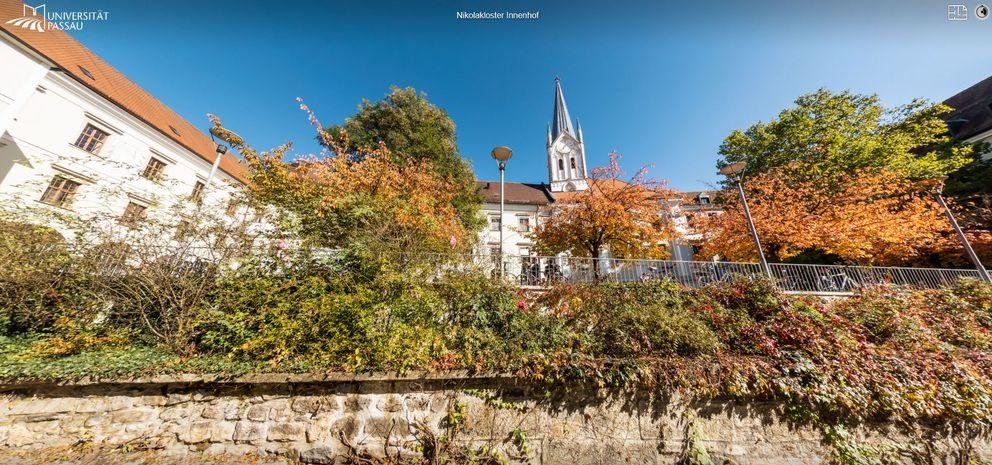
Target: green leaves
x=827, y=134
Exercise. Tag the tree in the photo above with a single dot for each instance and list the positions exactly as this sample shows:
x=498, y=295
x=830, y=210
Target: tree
x=829, y=136
x=382, y=208
x=971, y=192
x=624, y=217
x=872, y=217
x=414, y=131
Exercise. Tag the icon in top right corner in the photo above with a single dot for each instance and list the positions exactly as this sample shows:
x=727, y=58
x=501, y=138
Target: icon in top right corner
x=982, y=12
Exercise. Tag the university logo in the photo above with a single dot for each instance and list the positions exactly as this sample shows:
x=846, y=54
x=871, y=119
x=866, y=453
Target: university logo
x=38, y=18
x=33, y=18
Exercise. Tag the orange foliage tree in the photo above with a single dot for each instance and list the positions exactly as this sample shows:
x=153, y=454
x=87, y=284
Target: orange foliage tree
x=624, y=217
x=869, y=217
x=373, y=203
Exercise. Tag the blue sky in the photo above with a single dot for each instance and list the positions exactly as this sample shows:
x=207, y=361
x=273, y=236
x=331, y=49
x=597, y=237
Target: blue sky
x=661, y=82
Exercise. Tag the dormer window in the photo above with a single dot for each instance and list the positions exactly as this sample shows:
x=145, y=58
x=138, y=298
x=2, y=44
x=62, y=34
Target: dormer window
x=704, y=200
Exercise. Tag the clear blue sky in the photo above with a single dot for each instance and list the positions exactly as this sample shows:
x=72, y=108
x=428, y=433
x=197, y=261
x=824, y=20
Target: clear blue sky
x=663, y=83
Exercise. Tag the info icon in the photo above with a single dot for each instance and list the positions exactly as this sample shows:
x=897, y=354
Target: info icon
x=982, y=12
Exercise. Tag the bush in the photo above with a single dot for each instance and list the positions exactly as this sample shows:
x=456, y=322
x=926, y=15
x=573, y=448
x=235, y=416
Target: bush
x=36, y=287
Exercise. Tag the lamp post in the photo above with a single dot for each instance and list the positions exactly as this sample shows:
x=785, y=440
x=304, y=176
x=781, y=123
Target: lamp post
x=938, y=192
x=221, y=150
x=735, y=172
x=501, y=155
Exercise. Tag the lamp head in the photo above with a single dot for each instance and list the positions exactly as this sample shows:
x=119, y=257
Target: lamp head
x=733, y=169
x=502, y=154
x=221, y=149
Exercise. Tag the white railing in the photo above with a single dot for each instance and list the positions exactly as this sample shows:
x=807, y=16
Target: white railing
x=544, y=271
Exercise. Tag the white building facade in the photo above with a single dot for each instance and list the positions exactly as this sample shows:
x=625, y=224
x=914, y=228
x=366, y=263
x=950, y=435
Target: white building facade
x=79, y=141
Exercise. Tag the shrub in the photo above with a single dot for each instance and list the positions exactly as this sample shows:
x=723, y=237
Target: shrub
x=35, y=284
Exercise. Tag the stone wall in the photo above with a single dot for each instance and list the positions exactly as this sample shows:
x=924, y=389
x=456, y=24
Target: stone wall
x=326, y=420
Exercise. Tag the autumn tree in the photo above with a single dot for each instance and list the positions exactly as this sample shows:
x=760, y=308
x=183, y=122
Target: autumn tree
x=827, y=136
x=414, y=131
x=872, y=217
x=622, y=216
x=380, y=207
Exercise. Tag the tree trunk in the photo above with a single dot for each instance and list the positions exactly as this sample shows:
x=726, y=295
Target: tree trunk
x=595, y=264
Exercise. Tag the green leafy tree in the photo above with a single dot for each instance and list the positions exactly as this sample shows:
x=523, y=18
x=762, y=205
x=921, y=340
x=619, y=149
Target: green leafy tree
x=828, y=135
x=414, y=130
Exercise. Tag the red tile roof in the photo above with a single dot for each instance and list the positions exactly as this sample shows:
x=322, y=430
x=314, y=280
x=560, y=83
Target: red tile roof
x=517, y=192
x=93, y=72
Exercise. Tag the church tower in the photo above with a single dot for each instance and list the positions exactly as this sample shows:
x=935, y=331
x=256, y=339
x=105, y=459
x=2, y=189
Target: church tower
x=566, y=152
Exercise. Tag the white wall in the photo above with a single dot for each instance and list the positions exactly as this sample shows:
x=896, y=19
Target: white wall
x=45, y=111
x=515, y=241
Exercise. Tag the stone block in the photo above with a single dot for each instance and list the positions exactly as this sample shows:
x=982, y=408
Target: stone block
x=320, y=456
x=572, y=452
x=246, y=431
x=222, y=431
x=177, y=398
x=387, y=427
x=133, y=415
x=356, y=403
x=309, y=405
x=390, y=404
x=197, y=432
x=287, y=432
x=259, y=412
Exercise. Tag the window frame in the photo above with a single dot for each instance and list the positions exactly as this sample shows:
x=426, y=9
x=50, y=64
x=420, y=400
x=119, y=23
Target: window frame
x=86, y=139
x=67, y=191
x=196, y=194
x=154, y=173
x=133, y=217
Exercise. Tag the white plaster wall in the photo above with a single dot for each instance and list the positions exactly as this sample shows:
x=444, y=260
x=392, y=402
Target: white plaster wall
x=51, y=111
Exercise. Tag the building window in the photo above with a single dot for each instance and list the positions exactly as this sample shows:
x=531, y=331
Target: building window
x=60, y=191
x=561, y=164
x=134, y=213
x=494, y=223
x=197, y=193
x=494, y=251
x=524, y=224
x=573, y=162
x=154, y=170
x=524, y=251
x=91, y=139
x=704, y=200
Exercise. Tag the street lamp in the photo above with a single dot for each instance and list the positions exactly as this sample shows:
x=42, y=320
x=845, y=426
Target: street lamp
x=221, y=150
x=735, y=172
x=501, y=155
x=938, y=192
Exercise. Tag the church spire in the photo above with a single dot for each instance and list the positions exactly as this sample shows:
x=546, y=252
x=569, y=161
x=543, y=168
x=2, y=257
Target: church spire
x=561, y=122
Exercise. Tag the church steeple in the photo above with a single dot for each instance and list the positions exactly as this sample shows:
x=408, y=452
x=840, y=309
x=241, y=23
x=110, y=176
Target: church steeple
x=561, y=122
x=566, y=150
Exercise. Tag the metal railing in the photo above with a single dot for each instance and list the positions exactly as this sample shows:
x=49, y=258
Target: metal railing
x=543, y=271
